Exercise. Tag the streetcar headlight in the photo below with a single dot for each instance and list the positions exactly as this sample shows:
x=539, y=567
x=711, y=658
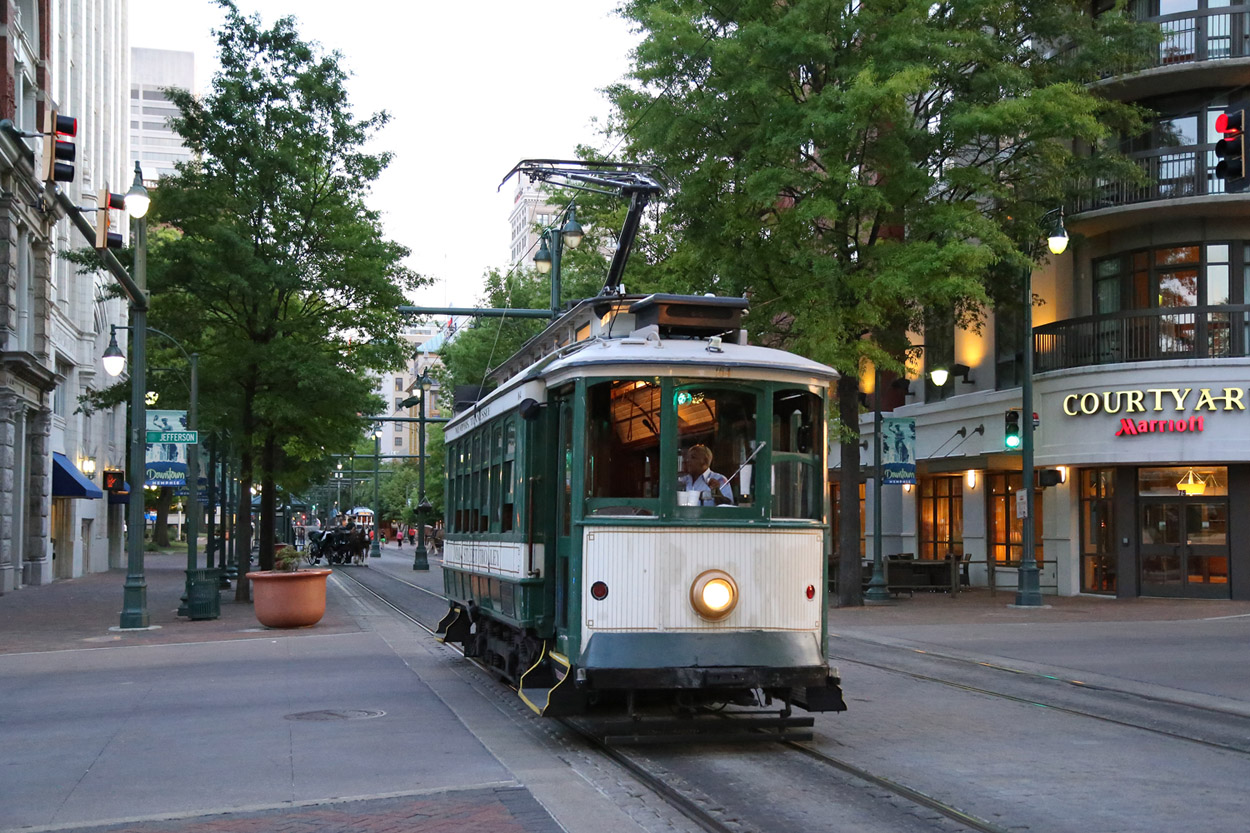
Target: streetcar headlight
x=714, y=594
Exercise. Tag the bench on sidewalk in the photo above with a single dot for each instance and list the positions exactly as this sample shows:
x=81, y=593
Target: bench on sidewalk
x=906, y=574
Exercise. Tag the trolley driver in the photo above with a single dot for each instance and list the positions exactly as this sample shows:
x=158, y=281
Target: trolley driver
x=714, y=488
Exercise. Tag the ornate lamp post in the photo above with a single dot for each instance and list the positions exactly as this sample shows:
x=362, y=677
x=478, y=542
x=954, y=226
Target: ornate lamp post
x=1028, y=586
x=421, y=559
x=375, y=551
x=135, y=590
x=552, y=247
x=113, y=361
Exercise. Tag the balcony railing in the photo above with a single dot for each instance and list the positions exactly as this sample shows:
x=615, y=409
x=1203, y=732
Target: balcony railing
x=1208, y=35
x=1171, y=173
x=1143, y=335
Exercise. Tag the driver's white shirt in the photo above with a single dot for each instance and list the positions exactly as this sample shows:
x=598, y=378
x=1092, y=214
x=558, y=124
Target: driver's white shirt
x=702, y=484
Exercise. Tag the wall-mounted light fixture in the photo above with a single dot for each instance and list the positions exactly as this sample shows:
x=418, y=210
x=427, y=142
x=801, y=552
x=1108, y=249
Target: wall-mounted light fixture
x=1063, y=473
x=907, y=487
x=87, y=466
x=939, y=375
x=971, y=478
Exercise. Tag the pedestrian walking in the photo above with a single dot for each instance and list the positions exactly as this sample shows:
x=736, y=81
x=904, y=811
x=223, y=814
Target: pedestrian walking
x=399, y=538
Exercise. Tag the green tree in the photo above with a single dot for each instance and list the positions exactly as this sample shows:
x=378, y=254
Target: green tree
x=280, y=276
x=852, y=165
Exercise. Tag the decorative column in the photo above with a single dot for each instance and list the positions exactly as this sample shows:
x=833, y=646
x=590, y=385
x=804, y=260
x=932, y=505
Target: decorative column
x=37, y=566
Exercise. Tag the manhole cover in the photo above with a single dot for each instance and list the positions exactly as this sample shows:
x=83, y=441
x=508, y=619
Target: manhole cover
x=337, y=714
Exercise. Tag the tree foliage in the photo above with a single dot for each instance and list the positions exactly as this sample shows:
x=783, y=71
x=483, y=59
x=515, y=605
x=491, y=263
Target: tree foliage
x=279, y=275
x=851, y=166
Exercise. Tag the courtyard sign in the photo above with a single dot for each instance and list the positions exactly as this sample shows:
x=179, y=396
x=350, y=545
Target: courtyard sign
x=1136, y=401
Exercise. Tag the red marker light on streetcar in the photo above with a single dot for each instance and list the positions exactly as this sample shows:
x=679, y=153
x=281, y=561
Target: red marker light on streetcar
x=599, y=591
x=811, y=591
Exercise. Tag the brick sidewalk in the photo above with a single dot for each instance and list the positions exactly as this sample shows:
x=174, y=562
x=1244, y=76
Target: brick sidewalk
x=499, y=810
x=78, y=613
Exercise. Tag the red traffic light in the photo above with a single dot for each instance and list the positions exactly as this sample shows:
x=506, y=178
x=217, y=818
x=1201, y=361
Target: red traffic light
x=1231, y=149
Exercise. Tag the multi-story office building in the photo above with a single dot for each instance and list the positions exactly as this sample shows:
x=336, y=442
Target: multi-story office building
x=1142, y=375
x=152, y=141
x=55, y=521
x=530, y=211
x=400, y=438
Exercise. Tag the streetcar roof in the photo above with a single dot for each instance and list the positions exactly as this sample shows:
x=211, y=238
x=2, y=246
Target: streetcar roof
x=643, y=353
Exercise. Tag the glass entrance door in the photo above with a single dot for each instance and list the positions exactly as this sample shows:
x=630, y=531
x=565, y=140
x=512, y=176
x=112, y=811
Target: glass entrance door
x=1184, y=547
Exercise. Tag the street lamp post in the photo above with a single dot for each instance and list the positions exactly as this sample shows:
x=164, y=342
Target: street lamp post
x=113, y=361
x=878, y=588
x=1028, y=585
x=552, y=247
x=421, y=560
x=375, y=551
x=135, y=590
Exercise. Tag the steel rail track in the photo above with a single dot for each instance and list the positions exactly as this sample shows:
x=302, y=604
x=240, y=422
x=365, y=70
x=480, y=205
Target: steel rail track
x=1033, y=701
x=915, y=796
x=682, y=803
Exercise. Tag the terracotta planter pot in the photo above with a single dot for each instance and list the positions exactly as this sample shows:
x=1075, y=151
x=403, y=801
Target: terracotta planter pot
x=289, y=600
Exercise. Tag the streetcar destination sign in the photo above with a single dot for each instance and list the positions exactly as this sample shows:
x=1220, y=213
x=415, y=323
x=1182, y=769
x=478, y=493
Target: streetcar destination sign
x=173, y=436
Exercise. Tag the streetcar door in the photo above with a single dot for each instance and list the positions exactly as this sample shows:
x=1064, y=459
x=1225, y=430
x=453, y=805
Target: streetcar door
x=563, y=521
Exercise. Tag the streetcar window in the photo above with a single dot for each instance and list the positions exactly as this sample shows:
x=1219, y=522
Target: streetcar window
x=798, y=438
x=623, y=447
x=721, y=424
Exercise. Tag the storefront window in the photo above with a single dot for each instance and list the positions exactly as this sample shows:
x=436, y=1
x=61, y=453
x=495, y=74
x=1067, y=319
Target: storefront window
x=1182, y=480
x=941, y=508
x=1005, y=529
x=1098, y=552
x=836, y=508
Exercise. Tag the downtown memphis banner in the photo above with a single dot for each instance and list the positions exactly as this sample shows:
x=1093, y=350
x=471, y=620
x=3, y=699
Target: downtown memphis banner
x=898, y=450
x=166, y=462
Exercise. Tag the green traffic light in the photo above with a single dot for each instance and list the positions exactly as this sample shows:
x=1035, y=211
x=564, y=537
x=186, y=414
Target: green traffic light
x=1012, y=441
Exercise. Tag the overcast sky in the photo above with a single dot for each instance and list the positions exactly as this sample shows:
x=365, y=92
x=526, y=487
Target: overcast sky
x=472, y=88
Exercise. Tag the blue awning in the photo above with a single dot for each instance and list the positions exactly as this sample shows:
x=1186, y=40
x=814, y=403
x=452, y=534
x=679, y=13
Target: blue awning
x=68, y=481
x=121, y=497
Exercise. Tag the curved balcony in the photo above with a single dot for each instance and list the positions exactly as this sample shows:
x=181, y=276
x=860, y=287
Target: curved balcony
x=1179, y=179
x=1142, y=336
x=1198, y=48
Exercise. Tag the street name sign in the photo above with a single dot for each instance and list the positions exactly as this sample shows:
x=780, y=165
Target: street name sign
x=173, y=436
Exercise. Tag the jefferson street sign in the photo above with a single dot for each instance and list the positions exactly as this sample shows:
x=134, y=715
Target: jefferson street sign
x=173, y=436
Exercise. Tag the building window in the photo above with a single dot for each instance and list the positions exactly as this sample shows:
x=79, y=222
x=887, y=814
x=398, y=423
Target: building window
x=1098, y=558
x=399, y=441
x=399, y=383
x=835, y=521
x=941, y=509
x=1179, y=290
x=1005, y=529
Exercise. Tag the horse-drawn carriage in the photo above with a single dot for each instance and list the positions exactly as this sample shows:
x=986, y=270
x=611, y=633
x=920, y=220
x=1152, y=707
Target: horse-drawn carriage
x=337, y=544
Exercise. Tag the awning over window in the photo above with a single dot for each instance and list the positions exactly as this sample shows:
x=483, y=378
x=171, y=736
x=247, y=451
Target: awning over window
x=68, y=481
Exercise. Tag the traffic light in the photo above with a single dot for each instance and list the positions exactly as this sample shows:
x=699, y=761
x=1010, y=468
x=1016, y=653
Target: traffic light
x=1011, y=430
x=1231, y=149
x=114, y=481
x=58, y=153
x=105, y=200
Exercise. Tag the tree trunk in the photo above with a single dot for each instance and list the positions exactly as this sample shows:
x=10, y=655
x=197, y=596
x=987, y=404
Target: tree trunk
x=243, y=519
x=267, y=501
x=160, y=530
x=849, y=563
